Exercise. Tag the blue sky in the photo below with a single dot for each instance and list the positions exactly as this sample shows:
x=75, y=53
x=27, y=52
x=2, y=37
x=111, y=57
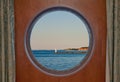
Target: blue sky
x=60, y=30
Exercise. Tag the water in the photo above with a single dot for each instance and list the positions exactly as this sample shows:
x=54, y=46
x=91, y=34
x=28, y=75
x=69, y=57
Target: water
x=58, y=61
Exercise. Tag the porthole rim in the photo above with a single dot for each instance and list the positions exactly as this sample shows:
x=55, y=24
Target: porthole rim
x=37, y=64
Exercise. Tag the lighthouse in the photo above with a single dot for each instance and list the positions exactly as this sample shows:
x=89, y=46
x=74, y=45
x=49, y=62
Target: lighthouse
x=55, y=50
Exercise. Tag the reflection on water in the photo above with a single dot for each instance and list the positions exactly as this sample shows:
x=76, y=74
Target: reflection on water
x=60, y=60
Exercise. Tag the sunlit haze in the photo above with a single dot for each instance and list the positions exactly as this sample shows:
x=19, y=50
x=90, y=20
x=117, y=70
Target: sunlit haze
x=59, y=30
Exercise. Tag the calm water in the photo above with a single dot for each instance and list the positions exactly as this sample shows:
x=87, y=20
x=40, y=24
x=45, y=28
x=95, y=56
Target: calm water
x=58, y=61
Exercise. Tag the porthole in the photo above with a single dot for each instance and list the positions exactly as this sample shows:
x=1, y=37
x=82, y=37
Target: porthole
x=59, y=41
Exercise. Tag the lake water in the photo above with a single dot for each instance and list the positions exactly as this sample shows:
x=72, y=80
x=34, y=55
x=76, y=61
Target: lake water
x=58, y=61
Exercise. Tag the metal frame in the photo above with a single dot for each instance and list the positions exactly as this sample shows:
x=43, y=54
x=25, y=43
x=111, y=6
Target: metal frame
x=52, y=72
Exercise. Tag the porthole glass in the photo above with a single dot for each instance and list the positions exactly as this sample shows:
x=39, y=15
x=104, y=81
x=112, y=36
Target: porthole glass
x=58, y=41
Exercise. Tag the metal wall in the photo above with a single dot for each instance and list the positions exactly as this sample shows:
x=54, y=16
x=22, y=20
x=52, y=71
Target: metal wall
x=7, y=51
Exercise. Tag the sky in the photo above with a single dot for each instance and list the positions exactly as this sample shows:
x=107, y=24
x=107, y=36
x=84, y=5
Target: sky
x=59, y=30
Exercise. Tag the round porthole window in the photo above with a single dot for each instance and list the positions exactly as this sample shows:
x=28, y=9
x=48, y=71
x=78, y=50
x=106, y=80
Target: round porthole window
x=59, y=41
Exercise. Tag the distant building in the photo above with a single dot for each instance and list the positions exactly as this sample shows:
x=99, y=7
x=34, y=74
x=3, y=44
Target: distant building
x=83, y=48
